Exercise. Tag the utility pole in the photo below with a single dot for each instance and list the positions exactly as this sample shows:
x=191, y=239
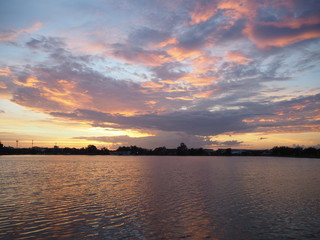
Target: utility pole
x=31, y=143
x=17, y=143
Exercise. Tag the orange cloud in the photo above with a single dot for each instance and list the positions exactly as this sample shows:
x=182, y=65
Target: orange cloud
x=298, y=107
x=66, y=94
x=294, y=22
x=9, y=36
x=202, y=12
x=168, y=81
x=170, y=41
x=237, y=57
x=180, y=98
x=283, y=33
x=266, y=120
x=3, y=85
x=150, y=84
x=203, y=59
x=30, y=82
x=236, y=9
x=205, y=94
x=150, y=59
x=289, y=129
x=248, y=120
x=181, y=54
x=6, y=72
x=195, y=80
x=203, y=63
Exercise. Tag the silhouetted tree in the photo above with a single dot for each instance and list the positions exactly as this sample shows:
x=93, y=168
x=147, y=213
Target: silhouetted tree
x=105, y=151
x=182, y=149
x=310, y=152
x=160, y=151
x=91, y=149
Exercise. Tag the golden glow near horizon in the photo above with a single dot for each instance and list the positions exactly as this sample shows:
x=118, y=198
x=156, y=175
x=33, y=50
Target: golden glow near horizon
x=214, y=74
x=46, y=131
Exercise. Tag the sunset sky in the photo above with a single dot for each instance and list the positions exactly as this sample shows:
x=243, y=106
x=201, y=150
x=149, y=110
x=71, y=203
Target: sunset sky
x=213, y=74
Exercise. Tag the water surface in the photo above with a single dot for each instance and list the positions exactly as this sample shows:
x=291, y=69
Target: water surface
x=149, y=197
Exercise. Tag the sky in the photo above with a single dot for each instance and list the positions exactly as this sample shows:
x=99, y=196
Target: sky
x=214, y=74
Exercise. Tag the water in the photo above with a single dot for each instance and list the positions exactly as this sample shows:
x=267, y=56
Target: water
x=149, y=197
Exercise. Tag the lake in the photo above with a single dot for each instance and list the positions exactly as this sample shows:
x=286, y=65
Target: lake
x=156, y=197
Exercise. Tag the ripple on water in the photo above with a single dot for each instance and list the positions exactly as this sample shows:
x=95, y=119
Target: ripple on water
x=93, y=197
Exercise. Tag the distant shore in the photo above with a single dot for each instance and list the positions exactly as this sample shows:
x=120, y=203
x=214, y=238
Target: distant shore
x=181, y=150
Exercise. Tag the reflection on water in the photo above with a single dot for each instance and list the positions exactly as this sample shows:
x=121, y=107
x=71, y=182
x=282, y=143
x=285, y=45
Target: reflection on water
x=117, y=197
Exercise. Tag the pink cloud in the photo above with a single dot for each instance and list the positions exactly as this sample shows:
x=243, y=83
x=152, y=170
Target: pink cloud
x=11, y=35
x=237, y=57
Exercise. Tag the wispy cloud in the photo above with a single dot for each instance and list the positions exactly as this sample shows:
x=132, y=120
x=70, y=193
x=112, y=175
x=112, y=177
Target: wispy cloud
x=9, y=35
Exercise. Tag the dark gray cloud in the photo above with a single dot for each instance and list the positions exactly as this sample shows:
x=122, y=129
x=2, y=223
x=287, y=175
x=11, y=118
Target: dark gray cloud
x=169, y=71
x=199, y=123
x=47, y=43
x=289, y=9
x=34, y=98
x=57, y=50
x=270, y=32
x=213, y=123
x=231, y=33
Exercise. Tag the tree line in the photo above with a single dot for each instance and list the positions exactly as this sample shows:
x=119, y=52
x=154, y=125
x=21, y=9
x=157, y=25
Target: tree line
x=181, y=150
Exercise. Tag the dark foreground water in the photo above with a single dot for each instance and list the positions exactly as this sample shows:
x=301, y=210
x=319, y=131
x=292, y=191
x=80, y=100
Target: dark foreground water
x=114, y=197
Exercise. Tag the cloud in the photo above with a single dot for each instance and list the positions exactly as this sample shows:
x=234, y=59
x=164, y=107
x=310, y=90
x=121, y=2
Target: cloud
x=266, y=24
x=199, y=80
x=46, y=43
x=180, y=98
x=72, y=86
x=10, y=35
x=69, y=82
x=137, y=55
x=56, y=48
x=205, y=94
x=283, y=116
x=81, y=93
x=168, y=71
x=202, y=11
x=249, y=118
x=198, y=36
x=207, y=123
x=147, y=36
x=237, y=57
x=270, y=35
x=6, y=72
x=231, y=143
